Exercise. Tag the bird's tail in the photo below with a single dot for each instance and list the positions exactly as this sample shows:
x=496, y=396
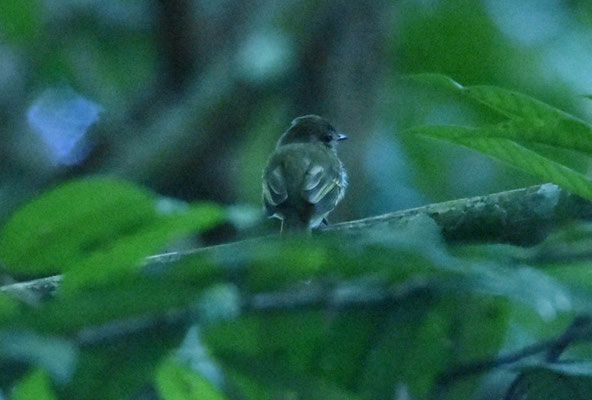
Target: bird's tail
x=294, y=224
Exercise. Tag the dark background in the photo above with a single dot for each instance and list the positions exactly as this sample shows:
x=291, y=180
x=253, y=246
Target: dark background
x=189, y=96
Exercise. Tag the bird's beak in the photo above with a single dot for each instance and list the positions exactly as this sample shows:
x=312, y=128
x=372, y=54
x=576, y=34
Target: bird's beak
x=341, y=136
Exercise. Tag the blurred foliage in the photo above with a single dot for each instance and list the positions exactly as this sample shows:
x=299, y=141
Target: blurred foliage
x=328, y=316
x=106, y=104
x=34, y=386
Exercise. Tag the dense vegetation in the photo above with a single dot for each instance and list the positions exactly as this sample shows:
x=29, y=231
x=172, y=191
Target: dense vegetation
x=136, y=132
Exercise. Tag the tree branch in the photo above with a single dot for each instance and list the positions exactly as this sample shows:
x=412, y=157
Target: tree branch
x=521, y=217
x=579, y=329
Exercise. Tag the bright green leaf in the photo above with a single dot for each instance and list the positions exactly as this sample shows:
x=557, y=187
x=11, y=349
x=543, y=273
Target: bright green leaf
x=125, y=253
x=527, y=160
x=100, y=226
x=529, y=120
x=61, y=227
x=575, y=368
x=175, y=381
x=516, y=105
x=8, y=306
x=35, y=385
x=481, y=327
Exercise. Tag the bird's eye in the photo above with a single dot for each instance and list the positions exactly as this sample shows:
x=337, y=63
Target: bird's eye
x=327, y=138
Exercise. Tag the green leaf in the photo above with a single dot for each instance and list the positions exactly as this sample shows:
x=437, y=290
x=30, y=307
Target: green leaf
x=122, y=366
x=125, y=254
x=137, y=296
x=35, y=385
x=61, y=227
x=20, y=20
x=8, y=307
x=427, y=337
x=516, y=105
x=96, y=227
x=511, y=153
x=410, y=350
x=283, y=354
x=529, y=120
x=520, y=157
x=175, y=381
x=352, y=336
x=272, y=263
x=261, y=379
x=480, y=329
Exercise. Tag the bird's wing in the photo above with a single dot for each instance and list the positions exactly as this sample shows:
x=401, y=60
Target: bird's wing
x=322, y=187
x=275, y=191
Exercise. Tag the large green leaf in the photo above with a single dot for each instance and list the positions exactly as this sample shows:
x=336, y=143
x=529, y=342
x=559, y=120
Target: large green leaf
x=410, y=350
x=177, y=382
x=121, y=367
x=61, y=227
x=282, y=353
x=124, y=254
x=35, y=385
x=97, y=226
x=528, y=120
x=516, y=105
x=511, y=153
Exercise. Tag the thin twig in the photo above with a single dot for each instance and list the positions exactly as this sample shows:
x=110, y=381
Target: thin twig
x=577, y=330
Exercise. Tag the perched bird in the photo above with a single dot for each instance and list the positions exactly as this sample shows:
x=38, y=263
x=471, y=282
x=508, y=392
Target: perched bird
x=304, y=179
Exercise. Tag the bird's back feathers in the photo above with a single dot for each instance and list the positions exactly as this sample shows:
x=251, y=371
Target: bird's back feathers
x=302, y=184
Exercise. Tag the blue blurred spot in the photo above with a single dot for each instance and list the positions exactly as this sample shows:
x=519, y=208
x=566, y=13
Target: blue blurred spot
x=528, y=21
x=568, y=58
x=61, y=117
x=265, y=56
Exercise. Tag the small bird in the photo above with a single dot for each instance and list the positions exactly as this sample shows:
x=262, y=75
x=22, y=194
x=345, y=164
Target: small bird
x=304, y=179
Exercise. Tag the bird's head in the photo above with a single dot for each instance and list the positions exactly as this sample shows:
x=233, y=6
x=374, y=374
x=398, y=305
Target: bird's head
x=311, y=129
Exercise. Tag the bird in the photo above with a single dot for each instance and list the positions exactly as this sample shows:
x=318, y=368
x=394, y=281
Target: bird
x=304, y=179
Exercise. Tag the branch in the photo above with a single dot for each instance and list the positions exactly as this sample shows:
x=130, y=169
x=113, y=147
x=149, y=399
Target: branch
x=521, y=217
x=579, y=329
x=38, y=288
